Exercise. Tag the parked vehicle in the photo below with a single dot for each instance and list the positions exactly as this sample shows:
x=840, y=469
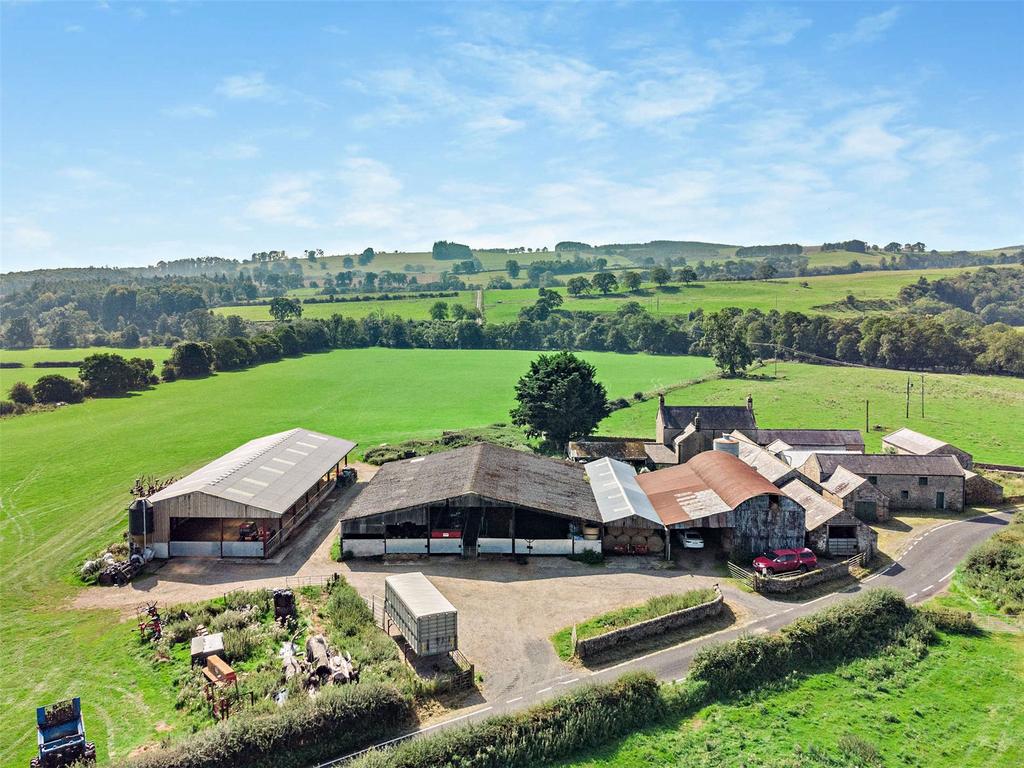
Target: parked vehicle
x=786, y=561
x=691, y=540
x=248, y=531
x=61, y=736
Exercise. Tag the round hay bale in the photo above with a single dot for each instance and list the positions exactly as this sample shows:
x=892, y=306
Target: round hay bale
x=655, y=544
x=639, y=540
x=609, y=542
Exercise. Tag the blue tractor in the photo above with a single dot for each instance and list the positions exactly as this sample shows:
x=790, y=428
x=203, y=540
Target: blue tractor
x=62, y=736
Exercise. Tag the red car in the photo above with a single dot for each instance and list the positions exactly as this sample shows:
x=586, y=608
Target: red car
x=786, y=561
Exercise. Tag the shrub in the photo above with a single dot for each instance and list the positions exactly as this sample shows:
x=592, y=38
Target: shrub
x=54, y=388
x=241, y=643
x=584, y=718
x=10, y=364
x=588, y=557
x=994, y=570
x=107, y=374
x=949, y=619
x=169, y=372
x=21, y=393
x=339, y=720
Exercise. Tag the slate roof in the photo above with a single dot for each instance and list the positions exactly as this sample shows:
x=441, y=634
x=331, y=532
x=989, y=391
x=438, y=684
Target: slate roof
x=617, y=492
x=914, y=442
x=660, y=454
x=889, y=464
x=817, y=509
x=268, y=473
x=710, y=483
x=795, y=438
x=619, y=448
x=843, y=482
x=484, y=469
x=723, y=418
x=768, y=466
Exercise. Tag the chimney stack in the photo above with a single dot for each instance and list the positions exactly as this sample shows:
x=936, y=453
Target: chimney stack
x=661, y=399
x=750, y=403
x=696, y=421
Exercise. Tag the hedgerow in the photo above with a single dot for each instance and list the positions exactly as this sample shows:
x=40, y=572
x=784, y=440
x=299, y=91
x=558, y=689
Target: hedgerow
x=338, y=720
x=586, y=717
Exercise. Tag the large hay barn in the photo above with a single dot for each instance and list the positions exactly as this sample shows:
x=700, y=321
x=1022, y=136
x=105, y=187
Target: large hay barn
x=481, y=499
x=249, y=501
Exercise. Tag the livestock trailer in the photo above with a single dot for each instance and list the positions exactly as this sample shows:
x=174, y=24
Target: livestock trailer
x=427, y=621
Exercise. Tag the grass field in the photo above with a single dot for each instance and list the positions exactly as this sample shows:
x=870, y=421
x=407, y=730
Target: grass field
x=960, y=705
x=30, y=375
x=784, y=294
x=65, y=475
x=981, y=414
x=412, y=309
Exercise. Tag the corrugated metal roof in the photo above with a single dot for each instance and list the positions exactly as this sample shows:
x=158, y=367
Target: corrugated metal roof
x=420, y=596
x=912, y=441
x=267, y=473
x=617, y=492
x=710, y=483
x=843, y=481
x=484, y=469
x=890, y=464
x=724, y=418
x=817, y=509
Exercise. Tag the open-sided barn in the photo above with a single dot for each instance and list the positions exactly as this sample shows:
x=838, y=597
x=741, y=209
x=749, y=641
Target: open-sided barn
x=268, y=485
x=481, y=499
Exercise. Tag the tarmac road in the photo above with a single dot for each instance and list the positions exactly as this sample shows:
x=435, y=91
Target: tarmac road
x=923, y=569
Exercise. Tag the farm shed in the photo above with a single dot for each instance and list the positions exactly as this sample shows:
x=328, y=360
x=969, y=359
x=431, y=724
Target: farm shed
x=831, y=530
x=274, y=482
x=724, y=498
x=631, y=524
x=857, y=496
x=770, y=467
x=908, y=442
x=776, y=440
x=427, y=621
x=481, y=499
x=910, y=482
x=980, y=490
x=628, y=450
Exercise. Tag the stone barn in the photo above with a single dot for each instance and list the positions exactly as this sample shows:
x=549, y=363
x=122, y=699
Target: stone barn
x=483, y=499
x=910, y=443
x=683, y=431
x=728, y=502
x=831, y=530
x=249, y=501
x=857, y=496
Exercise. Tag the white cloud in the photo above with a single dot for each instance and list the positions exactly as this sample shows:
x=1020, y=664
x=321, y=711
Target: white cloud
x=867, y=29
x=334, y=29
x=188, y=111
x=762, y=26
x=24, y=235
x=285, y=201
x=251, y=86
x=239, y=150
x=71, y=28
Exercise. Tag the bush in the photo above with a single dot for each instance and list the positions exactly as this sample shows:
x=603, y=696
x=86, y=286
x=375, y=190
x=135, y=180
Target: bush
x=589, y=557
x=950, y=620
x=339, y=720
x=54, y=388
x=8, y=408
x=10, y=364
x=21, y=393
x=842, y=632
x=994, y=570
x=586, y=717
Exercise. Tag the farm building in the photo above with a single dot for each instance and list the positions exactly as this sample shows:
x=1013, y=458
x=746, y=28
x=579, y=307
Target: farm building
x=481, y=499
x=249, y=501
x=831, y=530
x=425, y=618
x=631, y=524
x=978, y=489
x=908, y=442
x=909, y=482
x=768, y=465
x=629, y=450
x=728, y=501
x=857, y=496
x=776, y=440
x=683, y=431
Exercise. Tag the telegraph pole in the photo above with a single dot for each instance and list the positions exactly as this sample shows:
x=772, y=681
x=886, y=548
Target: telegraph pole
x=867, y=416
x=908, y=396
x=922, y=395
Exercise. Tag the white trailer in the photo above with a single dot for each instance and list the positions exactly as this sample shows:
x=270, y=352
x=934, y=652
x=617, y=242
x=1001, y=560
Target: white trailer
x=427, y=621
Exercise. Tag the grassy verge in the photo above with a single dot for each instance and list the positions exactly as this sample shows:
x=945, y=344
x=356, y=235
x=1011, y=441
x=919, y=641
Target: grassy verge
x=991, y=577
x=654, y=607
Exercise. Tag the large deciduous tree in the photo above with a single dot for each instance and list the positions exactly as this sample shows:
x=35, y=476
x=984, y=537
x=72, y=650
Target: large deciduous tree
x=559, y=399
x=19, y=334
x=726, y=340
x=106, y=374
x=283, y=308
x=605, y=282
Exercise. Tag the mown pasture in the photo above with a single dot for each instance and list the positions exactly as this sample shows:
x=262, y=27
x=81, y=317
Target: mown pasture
x=28, y=357
x=410, y=309
x=784, y=294
x=959, y=705
x=65, y=476
x=981, y=414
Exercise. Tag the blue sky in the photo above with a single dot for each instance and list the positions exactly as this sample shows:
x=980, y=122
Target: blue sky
x=147, y=131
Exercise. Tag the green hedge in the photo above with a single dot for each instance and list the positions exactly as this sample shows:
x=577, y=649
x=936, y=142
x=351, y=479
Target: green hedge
x=337, y=721
x=584, y=718
x=994, y=570
x=841, y=632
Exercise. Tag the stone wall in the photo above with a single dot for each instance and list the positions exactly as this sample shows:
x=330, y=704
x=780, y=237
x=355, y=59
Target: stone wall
x=981, y=490
x=595, y=646
x=922, y=496
x=783, y=584
x=760, y=526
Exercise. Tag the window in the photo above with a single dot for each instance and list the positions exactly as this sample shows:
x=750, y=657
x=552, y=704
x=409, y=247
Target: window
x=904, y=495
x=922, y=481
x=873, y=479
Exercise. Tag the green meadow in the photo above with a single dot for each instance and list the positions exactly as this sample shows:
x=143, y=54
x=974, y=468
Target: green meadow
x=411, y=308
x=27, y=357
x=958, y=706
x=797, y=294
x=65, y=474
x=981, y=414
